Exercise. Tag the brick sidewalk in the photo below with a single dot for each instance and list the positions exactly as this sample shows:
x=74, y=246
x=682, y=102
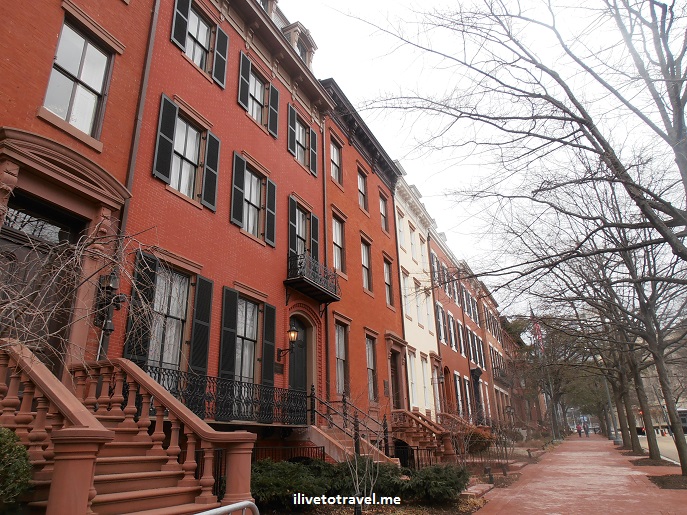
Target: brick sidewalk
x=586, y=475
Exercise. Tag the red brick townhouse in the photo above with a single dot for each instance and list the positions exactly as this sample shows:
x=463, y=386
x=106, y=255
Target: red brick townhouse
x=71, y=77
x=229, y=198
x=365, y=328
x=466, y=389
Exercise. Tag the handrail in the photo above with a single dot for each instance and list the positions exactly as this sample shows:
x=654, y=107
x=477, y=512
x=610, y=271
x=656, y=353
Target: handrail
x=183, y=414
x=438, y=428
x=231, y=508
x=417, y=420
x=459, y=420
x=366, y=417
x=51, y=387
x=61, y=436
x=327, y=416
x=379, y=433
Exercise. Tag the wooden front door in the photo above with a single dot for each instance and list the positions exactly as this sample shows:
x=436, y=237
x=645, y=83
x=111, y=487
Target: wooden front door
x=298, y=361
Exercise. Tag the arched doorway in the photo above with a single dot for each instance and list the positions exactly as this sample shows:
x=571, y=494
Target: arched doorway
x=298, y=359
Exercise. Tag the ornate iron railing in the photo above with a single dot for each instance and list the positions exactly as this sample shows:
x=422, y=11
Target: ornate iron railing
x=415, y=457
x=288, y=453
x=223, y=400
x=305, y=266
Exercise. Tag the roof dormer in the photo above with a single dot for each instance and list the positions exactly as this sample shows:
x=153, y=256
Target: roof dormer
x=299, y=38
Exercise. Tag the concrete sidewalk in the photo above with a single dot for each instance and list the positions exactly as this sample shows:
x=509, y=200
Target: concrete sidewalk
x=586, y=475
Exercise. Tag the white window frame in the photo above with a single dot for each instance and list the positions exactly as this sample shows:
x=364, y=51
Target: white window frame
x=411, y=379
x=340, y=342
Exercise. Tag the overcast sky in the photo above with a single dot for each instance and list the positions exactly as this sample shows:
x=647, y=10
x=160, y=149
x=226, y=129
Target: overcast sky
x=367, y=63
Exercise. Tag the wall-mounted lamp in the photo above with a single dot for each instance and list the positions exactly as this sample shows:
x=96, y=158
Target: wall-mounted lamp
x=292, y=334
x=107, y=299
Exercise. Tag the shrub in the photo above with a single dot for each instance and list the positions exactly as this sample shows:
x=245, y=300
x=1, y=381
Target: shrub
x=15, y=468
x=386, y=477
x=274, y=483
x=437, y=484
x=477, y=440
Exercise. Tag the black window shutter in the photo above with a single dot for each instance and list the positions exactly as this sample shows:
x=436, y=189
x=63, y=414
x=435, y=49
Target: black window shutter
x=140, y=309
x=227, y=353
x=292, y=226
x=273, y=117
x=180, y=24
x=237, y=190
x=313, y=152
x=200, y=334
x=314, y=237
x=446, y=329
x=271, y=214
x=219, y=64
x=244, y=81
x=209, y=196
x=164, y=148
x=268, y=343
x=438, y=317
x=292, y=130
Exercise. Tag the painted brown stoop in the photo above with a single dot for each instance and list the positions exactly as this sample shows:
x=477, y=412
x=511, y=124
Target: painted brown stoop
x=335, y=425
x=91, y=453
x=417, y=430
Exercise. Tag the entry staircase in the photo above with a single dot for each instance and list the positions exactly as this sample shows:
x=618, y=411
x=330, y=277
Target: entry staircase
x=117, y=442
x=344, y=430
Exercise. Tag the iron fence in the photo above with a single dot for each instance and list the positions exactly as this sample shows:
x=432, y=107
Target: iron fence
x=288, y=453
x=415, y=457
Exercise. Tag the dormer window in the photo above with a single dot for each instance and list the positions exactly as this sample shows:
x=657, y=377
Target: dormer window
x=300, y=40
x=302, y=50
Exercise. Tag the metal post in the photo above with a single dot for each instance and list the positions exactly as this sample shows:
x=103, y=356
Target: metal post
x=345, y=414
x=312, y=405
x=385, y=428
x=356, y=434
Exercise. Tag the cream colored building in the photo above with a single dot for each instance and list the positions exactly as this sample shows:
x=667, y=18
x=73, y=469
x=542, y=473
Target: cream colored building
x=422, y=360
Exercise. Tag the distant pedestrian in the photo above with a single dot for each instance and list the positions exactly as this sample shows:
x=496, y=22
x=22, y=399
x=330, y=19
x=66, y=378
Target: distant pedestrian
x=579, y=430
x=586, y=430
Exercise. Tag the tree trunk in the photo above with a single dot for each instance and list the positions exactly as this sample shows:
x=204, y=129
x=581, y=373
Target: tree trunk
x=556, y=434
x=654, y=452
x=671, y=408
x=632, y=425
x=629, y=412
x=622, y=420
x=603, y=428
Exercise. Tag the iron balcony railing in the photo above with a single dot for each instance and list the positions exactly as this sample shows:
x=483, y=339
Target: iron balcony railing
x=223, y=400
x=312, y=278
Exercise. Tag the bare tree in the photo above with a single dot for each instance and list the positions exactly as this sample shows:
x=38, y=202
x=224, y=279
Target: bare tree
x=52, y=286
x=535, y=89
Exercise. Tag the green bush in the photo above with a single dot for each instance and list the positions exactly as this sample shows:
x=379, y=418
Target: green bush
x=15, y=468
x=274, y=483
x=437, y=484
x=386, y=476
x=477, y=440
